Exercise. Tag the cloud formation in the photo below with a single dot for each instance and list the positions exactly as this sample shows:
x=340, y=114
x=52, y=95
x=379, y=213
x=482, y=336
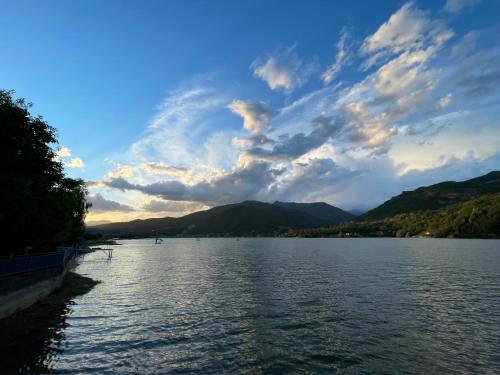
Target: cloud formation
x=406, y=44
x=283, y=70
x=292, y=147
x=160, y=168
x=407, y=29
x=256, y=116
x=343, y=57
x=172, y=136
x=352, y=144
x=443, y=102
x=75, y=163
x=255, y=140
x=479, y=73
x=63, y=155
x=457, y=6
x=308, y=182
x=63, y=152
x=99, y=203
x=240, y=184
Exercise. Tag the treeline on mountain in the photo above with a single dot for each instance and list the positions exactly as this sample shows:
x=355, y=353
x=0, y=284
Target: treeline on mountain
x=476, y=217
x=248, y=218
x=436, y=196
x=467, y=209
x=40, y=208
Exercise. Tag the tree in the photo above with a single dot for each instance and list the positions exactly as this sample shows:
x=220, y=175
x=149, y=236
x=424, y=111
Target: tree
x=39, y=206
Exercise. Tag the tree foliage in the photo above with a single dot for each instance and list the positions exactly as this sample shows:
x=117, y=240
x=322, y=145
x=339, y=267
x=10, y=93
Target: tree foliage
x=436, y=196
x=475, y=218
x=39, y=206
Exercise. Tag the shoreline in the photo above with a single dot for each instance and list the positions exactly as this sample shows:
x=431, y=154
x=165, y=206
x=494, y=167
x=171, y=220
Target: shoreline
x=318, y=237
x=31, y=335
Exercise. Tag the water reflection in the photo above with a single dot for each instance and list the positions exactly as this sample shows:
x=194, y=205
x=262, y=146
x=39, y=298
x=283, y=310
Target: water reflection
x=32, y=340
x=283, y=305
x=30, y=348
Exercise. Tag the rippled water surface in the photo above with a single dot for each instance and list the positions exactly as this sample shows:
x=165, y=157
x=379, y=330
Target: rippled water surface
x=287, y=305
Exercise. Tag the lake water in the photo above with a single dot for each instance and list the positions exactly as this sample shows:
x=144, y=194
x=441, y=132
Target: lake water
x=286, y=305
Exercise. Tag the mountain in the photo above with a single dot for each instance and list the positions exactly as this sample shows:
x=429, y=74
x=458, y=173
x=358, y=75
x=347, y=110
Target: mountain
x=239, y=219
x=475, y=218
x=467, y=209
x=93, y=223
x=435, y=196
x=321, y=210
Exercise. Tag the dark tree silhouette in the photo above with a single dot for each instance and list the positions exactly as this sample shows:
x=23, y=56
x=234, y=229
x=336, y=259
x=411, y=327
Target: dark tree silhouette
x=39, y=206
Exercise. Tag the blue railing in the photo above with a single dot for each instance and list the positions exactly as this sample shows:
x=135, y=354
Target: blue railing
x=28, y=263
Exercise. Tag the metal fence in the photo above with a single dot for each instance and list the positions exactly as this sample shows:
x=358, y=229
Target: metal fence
x=28, y=263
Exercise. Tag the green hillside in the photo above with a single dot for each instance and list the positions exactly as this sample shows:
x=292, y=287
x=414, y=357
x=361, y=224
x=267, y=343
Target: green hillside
x=240, y=219
x=436, y=196
x=476, y=218
x=333, y=215
x=468, y=209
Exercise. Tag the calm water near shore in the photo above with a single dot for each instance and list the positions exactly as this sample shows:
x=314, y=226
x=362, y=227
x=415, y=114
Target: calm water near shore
x=285, y=305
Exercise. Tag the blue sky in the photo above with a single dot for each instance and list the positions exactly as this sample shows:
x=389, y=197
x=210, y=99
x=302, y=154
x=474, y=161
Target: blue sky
x=170, y=107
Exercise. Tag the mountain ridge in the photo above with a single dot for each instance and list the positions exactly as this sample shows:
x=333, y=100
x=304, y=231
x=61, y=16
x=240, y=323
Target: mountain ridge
x=243, y=218
x=464, y=209
x=435, y=196
x=443, y=209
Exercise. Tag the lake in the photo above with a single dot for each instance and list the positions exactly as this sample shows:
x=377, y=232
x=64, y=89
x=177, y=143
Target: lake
x=269, y=305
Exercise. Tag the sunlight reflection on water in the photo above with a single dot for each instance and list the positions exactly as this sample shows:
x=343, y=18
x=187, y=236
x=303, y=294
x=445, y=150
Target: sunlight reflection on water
x=281, y=305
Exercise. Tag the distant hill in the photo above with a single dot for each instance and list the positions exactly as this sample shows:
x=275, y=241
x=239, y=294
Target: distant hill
x=467, y=209
x=93, y=223
x=239, y=219
x=475, y=218
x=436, y=196
x=322, y=210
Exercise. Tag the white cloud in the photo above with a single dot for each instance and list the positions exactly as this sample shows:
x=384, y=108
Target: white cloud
x=120, y=171
x=220, y=154
x=63, y=152
x=283, y=70
x=344, y=144
x=369, y=129
x=408, y=29
x=445, y=138
x=241, y=183
x=443, y=102
x=342, y=57
x=256, y=116
x=75, y=163
x=311, y=181
x=159, y=168
x=407, y=42
x=403, y=30
x=172, y=136
x=457, y=6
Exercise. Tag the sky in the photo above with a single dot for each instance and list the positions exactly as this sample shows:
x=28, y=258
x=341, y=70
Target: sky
x=165, y=108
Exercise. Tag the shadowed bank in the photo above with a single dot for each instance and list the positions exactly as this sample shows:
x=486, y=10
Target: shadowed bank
x=32, y=338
